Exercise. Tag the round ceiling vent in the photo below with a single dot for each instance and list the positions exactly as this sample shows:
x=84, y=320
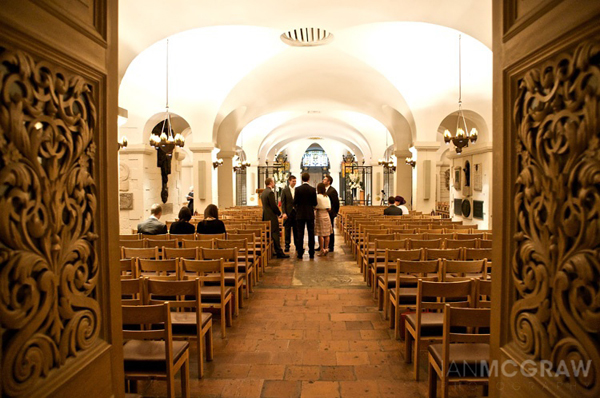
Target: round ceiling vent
x=306, y=37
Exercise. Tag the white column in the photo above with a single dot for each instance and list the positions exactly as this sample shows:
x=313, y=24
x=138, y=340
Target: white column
x=424, y=195
x=202, y=175
x=404, y=178
x=225, y=173
x=251, y=185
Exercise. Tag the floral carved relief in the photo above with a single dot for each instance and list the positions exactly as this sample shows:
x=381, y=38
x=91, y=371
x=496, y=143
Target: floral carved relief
x=556, y=264
x=48, y=264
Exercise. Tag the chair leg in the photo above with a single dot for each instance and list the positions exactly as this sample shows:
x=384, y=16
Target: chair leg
x=200, y=358
x=445, y=385
x=432, y=381
x=171, y=383
x=224, y=319
x=408, y=348
x=208, y=344
x=416, y=358
x=185, y=378
x=236, y=299
x=230, y=314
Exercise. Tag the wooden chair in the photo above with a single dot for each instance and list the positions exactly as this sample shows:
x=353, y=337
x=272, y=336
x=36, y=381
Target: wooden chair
x=180, y=237
x=477, y=254
x=377, y=267
x=191, y=253
x=430, y=236
x=245, y=267
x=450, y=254
x=232, y=275
x=455, y=244
x=463, y=270
x=484, y=293
x=130, y=237
x=386, y=279
x=422, y=244
x=159, y=269
x=403, y=295
x=410, y=236
x=469, y=236
x=425, y=327
x=366, y=255
x=128, y=268
x=138, y=244
x=216, y=296
x=257, y=252
x=200, y=244
x=151, y=352
x=160, y=243
x=132, y=291
x=469, y=353
x=156, y=237
x=132, y=252
x=262, y=230
x=191, y=323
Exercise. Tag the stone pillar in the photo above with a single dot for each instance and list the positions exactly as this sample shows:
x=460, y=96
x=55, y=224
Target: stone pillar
x=404, y=178
x=202, y=175
x=225, y=173
x=424, y=184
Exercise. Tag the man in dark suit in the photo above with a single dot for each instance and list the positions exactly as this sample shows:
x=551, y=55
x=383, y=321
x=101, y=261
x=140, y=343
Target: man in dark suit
x=271, y=213
x=392, y=210
x=305, y=200
x=335, y=207
x=289, y=213
x=152, y=226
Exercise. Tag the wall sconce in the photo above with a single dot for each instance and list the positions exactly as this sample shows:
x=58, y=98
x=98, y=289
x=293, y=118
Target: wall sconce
x=241, y=166
x=411, y=162
x=217, y=163
x=122, y=142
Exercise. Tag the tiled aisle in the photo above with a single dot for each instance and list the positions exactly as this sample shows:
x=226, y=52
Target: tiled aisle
x=310, y=329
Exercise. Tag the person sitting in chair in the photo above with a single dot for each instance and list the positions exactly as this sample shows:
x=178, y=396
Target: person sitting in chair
x=152, y=226
x=392, y=210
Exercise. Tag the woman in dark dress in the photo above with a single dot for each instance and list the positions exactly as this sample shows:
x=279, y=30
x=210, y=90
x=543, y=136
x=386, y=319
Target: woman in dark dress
x=182, y=226
x=211, y=224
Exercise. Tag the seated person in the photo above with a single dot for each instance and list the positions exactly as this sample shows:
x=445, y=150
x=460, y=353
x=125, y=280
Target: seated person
x=211, y=224
x=400, y=202
x=392, y=210
x=152, y=226
x=182, y=225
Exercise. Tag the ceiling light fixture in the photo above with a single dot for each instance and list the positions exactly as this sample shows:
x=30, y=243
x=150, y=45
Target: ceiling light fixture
x=306, y=37
x=387, y=163
x=241, y=165
x=166, y=141
x=463, y=136
x=410, y=161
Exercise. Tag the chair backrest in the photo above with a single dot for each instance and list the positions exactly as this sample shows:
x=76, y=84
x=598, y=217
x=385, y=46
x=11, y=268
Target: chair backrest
x=484, y=293
x=460, y=230
x=372, y=237
x=157, y=237
x=460, y=294
x=180, y=237
x=159, y=269
x=460, y=324
x=229, y=254
x=407, y=255
x=439, y=236
x=161, y=243
x=128, y=268
x=422, y=244
x=390, y=244
x=410, y=236
x=485, y=243
x=409, y=272
x=474, y=226
x=206, y=271
x=131, y=291
x=206, y=244
x=459, y=270
x=130, y=237
x=177, y=252
x=133, y=252
x=179, y=294
x=156, y=322
x=209, y=236
x=138, y=244
x=431, y=230
x=450, y=254
x=469, y=236
x=478, y=254
x=454, y=244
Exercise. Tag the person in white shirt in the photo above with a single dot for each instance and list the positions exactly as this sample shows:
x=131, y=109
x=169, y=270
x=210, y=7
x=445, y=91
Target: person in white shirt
x=322, y=221
x=400, y=202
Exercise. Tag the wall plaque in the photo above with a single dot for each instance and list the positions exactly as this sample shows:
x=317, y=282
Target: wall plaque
x=457, y=207
x=477, y=177
x=478, y=209
x=126, y=201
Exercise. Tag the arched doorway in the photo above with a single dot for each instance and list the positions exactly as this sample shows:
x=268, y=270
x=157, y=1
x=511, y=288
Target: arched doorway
x=316, y=163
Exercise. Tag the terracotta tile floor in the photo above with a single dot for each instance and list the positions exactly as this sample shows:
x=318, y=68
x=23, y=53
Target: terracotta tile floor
x=310, y=329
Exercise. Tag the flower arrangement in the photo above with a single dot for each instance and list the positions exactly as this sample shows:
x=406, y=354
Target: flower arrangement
x=280, y=180
x=354, y=179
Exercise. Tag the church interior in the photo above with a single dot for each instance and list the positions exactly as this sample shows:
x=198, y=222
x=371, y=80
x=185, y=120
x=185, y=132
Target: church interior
x=156, y=239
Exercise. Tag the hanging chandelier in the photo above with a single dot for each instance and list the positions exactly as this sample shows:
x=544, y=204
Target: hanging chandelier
x=388, y=162
x=463, y=136
x=410, y=161
x=166, y=141
x=241, y=165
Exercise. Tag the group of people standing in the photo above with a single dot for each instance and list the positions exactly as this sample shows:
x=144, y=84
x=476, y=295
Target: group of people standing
x=302, y=208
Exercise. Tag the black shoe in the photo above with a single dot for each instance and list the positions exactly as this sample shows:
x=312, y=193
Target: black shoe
x=283, y=256
x=312, y=257
x=287, y=249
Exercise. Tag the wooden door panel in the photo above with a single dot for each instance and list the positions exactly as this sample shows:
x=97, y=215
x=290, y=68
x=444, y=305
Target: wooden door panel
x=59, y=307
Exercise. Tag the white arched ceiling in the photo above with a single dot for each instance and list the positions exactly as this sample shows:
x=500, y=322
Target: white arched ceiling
x=142, y=23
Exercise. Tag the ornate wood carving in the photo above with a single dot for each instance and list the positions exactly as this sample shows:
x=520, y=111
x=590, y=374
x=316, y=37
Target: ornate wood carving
x=48, y=264
x=556, y=263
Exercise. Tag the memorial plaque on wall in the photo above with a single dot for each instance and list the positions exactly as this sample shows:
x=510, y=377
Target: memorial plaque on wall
x=126, y=201
x=477, y=177
x=457, y=207
x=478, y=209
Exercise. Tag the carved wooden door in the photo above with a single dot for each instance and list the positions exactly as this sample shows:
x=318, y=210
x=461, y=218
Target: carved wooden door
x=59, y=299
x=546, y=278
